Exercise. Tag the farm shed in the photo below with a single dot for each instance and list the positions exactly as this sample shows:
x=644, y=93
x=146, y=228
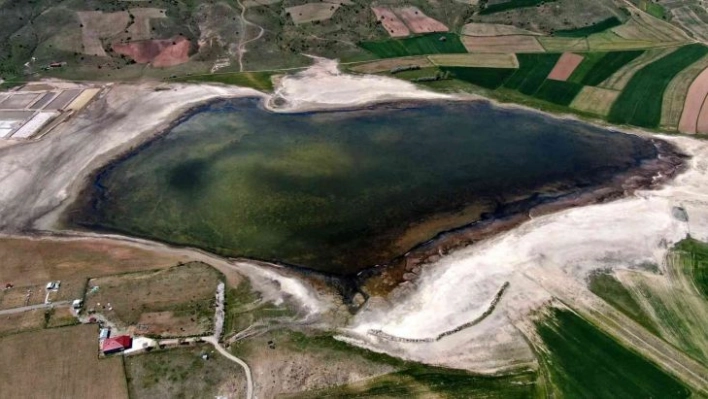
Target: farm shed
x=116, y=344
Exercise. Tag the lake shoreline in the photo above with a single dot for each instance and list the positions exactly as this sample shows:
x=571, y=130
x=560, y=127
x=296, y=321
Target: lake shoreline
x=649, y=174
x=381, y=279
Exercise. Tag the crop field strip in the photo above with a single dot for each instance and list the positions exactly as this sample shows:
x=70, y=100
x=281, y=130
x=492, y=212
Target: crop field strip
x=495, y=60
x=387, y=64
x=488, y=78
x=532, y=72
x=619, y=79
x=641, y=101
x=597, y=67
x=589, y=30
x=582, y=361
x=561, y=44
x=489, y=29
x=510, y=5
x=642, y=26
x=502, y=44
x=594, y=100
x=417, y=45
x=691, y=21
x=676, y=95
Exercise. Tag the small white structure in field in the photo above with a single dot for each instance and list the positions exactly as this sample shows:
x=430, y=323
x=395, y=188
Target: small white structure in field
x=77, y=304
x=53, y=285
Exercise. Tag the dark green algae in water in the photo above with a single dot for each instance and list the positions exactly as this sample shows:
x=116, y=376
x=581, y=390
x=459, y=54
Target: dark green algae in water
x=332, y=191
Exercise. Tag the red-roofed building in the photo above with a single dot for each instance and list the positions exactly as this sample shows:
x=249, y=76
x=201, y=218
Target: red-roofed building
x=116, y=344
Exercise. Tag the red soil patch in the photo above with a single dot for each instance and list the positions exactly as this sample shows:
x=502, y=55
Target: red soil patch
x=565, y=66
x=159, y=53
x=394, y=26
x=694, y=110
x=419, y=22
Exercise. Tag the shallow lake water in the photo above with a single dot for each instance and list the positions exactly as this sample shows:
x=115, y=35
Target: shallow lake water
x=342, y=191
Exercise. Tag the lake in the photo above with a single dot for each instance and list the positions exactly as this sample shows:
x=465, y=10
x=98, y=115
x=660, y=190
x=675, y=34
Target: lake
x=343, y=191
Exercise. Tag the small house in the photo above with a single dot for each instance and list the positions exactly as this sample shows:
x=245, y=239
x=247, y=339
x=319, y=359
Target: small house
x=116, y=344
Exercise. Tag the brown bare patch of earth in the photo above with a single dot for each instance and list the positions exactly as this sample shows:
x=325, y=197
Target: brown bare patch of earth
x=168, y=324
x=393, y=25
x=595, y=100
x=565, y=66
x=482, y=29
x=59, y=363
x=14, y=323
x=695, y=99
x=97, y=25
x=418, y=22
x=28, y=261
x=502, y=44
x=140, y=28
x=160, y=53
x=391, y=63
x=61, y=316
x=287, y=363
x=187, y=290
x=311, y=12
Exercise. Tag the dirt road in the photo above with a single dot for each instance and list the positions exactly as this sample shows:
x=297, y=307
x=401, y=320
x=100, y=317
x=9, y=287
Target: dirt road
x=34, y=307
x=246, y=369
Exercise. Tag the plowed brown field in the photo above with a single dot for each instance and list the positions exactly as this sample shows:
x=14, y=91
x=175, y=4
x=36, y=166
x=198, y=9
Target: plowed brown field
x=695, y=99
x=393, y=25
x=565, y=66
x=418, y=22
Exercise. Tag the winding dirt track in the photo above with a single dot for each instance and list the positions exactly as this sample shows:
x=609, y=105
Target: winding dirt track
x=242, y=44
x=246, y=369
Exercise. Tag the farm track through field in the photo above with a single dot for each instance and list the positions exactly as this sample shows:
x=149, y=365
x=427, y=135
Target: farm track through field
x=34, y=307
x=244, y=27
x=244, y=365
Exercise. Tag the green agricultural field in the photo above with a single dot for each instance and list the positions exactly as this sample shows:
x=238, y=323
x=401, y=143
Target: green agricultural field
x=598, y=27
x=611, y=290
x=583, y=362
x=696, y=254
x=653, y=9
x=597, y=67
x=510, y=5
x=489, y=78
x=532, y=72
x=418, y=45
x=640, y=102
x=557, y=92
x=257, y=80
